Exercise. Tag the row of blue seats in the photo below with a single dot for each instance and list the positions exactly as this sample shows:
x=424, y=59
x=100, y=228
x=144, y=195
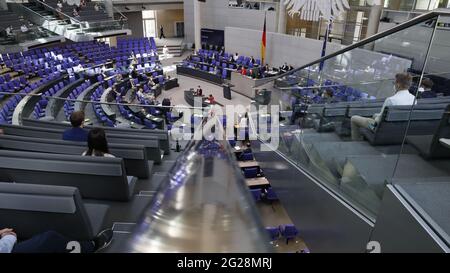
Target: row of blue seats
x=131, y=117
x=8, y=108
x=99, y=113
x=69, y=105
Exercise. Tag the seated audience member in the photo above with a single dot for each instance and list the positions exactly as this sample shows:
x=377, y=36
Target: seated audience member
x=199, y=91
x=401, y=97
x=119, y=77
x=96, y=7
x=150, y=82
x=252, y=60
x=116, y=92
x=76, y=133
x=140, y=93
x=24, y=28
x=97, y=144
x=327, y=95
x=8, y=31
x=211, y=99
x=166, y=102
x=75, y=13
x=425, y=89
x=284, y=67
x=59, y=5
x=235, y=57
x=50, y=242
x=244, y=71
x=290, y=67
x=247, y=150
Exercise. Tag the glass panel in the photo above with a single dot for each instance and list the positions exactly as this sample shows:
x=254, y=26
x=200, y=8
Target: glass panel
x=423, y=168
x=337, y=131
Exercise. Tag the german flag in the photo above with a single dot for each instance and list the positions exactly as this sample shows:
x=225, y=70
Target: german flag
x=263, y=42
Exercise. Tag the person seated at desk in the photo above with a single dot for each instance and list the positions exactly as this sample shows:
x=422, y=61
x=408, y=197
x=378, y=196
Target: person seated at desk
x=24, y=28
x=198, y=92
x=211, y=99
x=247, y=150
x=151, y=82
x=116, y=92
x=328, y=96
x=8, y=31
x=235, y=57
x=75, y=13
x=166, y=102
x=244, y=71
x=140, y=93
x=97, y=144
x=134, y=74
x=76, y=133
x=401, y=97
x=78, y=68
x=119, y=77
x=425, y=89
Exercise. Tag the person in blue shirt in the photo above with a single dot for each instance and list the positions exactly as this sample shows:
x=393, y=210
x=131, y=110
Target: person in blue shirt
x=76, y=133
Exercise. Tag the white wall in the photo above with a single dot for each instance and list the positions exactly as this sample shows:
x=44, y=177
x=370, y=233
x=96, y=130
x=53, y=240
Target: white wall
x=280, y=48
x=216, y=14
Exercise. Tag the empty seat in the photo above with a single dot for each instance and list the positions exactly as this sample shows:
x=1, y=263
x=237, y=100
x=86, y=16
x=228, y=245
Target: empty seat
x=429, y=146
x=33, y=209
x=395, y=120
x=134, y=156
x=95, y=177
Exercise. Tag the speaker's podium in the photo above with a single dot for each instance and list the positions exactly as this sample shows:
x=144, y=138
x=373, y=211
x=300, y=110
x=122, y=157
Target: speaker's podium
x=227, y=90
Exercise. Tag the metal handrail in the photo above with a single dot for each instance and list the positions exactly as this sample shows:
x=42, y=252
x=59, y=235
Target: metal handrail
x=52, y=8
x=355, y=83
x=121, y=14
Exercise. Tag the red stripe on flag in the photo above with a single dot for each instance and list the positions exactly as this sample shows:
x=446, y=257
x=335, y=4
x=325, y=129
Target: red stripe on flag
x=263, y=42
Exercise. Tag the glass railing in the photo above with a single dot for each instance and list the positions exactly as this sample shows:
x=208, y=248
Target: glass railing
x=333, y=124
x=35, y=28
x=81, y=22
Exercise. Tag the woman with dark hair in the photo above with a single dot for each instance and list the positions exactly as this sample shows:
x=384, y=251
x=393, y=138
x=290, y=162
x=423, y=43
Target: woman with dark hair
x=97, y=144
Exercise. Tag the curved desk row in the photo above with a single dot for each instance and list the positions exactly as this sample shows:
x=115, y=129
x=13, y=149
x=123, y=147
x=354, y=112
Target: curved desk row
x=26, y=106
x=199, y=74
x=106, y=108
x=55, y=104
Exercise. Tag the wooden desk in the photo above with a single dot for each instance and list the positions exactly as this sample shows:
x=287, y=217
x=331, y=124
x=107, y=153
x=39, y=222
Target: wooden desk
x=248, y=164
x=445, y=142
x=257, y=182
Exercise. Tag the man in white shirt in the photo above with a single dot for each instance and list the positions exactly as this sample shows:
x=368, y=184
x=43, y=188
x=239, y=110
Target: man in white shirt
x=78, y=68
x=401, y=97
x=8, y=31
